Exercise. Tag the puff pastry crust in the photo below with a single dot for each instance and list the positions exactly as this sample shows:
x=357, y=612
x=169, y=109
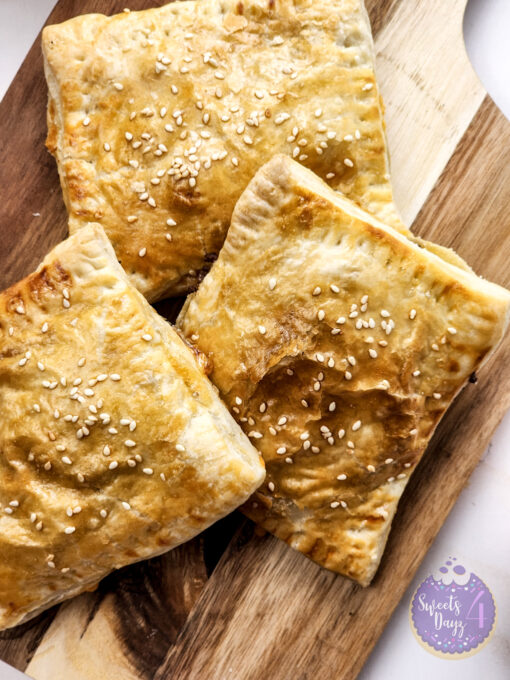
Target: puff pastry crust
x=114, y=446
x=159, y=119
x=338, y=344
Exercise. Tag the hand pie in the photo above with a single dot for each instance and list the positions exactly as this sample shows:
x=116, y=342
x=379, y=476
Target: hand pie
x=114, y=446
x=159, y=119
x=338, y=344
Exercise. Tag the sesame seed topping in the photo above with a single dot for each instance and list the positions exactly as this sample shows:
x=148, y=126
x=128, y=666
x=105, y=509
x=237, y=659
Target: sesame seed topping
x=412, y=314
x=317, y=291
x=272, y=283
x=372, y=353
x=148, y=471
x=86, y=121
x=436, y=395
x=262, y=330
x=129, y=443
x=341, y=477
x=356, y=425
x=126, y=506
x=416, y=373
x=270, y=486
x=69, y=530
x=452, y=330
x=179, y=447
x=281, y=450
x=334, y=288
x=321, y=314
x=348, y=163
x=334, y=504
x=341, y=433
x=142, y=252
x=347, y=375
x=147, y=337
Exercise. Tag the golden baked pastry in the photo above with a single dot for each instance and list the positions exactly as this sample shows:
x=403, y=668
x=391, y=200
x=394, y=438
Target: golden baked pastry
x=159, y=119
x=114, y=446
x=338, y=344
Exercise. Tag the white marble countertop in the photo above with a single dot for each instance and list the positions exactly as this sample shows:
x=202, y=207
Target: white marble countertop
x=476, y=531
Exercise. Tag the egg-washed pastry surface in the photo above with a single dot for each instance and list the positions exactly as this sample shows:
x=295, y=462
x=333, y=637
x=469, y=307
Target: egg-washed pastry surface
x=159, y=119
x=338, y=344
x=114, y=446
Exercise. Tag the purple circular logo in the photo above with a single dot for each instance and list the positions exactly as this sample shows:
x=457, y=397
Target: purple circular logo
x=452, y=612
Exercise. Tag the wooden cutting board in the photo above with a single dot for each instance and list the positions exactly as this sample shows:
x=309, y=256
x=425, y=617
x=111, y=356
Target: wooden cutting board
x=234, y=603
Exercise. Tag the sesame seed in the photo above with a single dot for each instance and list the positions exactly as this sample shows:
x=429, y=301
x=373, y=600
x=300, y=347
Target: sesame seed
x=262, y=330
x=413, y=431
x=436, y=395
x=86, y=121
x=348, y=163
x=334, y=288
x=370, y=468
x=372, y=353
x=106, y=450
x=317, y=291
x=129, y=443
x=416, y=373
x=384, y=313
x=347, y=375
x=332, y=406
x=126, y=506
x=334, y=504
x=368, y=87
x=147, y=337
x=179, y=447
x=388, y=461
x=281, y=450
x=321, y=314
x=69, y=530
x=341, y=433
x=452, y=330
x=118, y=86
x=412, y=314
x=341, y=477
x=142, y=252
x=272, y=283
x=340, y=320
x=282, y=420
x=351, y=360
x=270, y=486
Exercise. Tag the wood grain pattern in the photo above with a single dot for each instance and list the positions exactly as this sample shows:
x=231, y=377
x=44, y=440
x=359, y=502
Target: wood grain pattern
x=265, y=610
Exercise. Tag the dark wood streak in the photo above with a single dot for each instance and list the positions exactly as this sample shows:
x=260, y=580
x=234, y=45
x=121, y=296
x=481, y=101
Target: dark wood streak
x=18, y=645
x=380, y=13
x=151, y=602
